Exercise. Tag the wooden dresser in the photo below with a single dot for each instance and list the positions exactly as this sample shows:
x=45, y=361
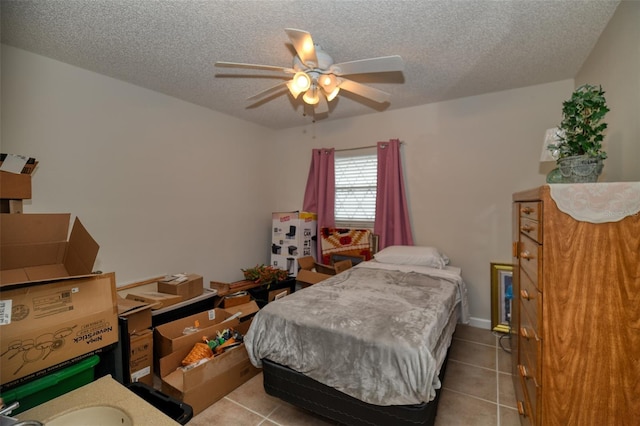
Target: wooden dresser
x=576, y=315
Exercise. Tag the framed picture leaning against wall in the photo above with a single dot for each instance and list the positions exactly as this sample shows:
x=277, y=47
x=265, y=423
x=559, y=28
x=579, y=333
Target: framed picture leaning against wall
x=501, y=296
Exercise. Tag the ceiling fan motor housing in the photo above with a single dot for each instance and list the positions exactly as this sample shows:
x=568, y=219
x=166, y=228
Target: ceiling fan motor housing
x=324, y=62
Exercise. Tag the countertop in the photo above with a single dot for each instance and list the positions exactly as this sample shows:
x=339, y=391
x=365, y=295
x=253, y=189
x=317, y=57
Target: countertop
x=104, y=391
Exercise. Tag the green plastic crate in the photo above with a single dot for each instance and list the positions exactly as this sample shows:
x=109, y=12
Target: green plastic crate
x=52, y=385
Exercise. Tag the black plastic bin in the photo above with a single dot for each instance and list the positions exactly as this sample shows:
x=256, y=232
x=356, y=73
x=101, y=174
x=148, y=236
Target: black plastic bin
x=177, y=410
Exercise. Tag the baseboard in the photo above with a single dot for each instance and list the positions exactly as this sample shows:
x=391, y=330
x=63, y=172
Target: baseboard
x=480, y=323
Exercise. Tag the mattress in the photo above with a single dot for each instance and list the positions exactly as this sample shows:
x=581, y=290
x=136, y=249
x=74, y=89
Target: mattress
x=376, y=333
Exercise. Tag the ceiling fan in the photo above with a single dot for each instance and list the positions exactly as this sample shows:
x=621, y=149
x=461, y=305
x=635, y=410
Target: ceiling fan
x=318, y=79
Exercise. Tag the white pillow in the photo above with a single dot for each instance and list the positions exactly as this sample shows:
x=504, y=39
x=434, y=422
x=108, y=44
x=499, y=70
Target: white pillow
x=412, y=255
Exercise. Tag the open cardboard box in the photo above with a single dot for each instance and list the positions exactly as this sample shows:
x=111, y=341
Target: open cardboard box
x=34, y=247
x=311, y=272
x=206, y=383
x=138, y=314
x=49, y=324
x=169, y=337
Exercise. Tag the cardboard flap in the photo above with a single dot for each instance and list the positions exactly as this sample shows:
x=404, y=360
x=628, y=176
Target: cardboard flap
x=129, y=307
x=34, y=228
x=342, y=265
x=82, y=250
x=11, y=276
x=14, y=256
x=246, y=309
x=311, y=277
x=214, y=367
x=306, y=262
x=170, y=363
x=45, y=272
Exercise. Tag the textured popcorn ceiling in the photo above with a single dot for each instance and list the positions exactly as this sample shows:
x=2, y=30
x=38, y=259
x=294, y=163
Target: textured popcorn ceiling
x=451, y=49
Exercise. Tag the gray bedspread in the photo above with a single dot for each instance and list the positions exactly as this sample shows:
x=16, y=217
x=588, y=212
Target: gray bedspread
x=378, y=335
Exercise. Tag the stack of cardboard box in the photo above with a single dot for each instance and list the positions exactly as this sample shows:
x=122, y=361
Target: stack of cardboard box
x=53, y=310
x=136, y=317
x=203, y=384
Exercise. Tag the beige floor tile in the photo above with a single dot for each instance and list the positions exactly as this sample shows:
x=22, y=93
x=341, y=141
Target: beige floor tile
x=506, y=393
x=504, y=360
x=252, y=395
x=473, y=353
x=471, y=380
x=226, y=412
x=457, y=409
x=509, y=417
x=474, y=334
x=288, y=415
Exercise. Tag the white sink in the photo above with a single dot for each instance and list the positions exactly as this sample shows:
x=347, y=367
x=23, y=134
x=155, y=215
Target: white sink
x=93, y=416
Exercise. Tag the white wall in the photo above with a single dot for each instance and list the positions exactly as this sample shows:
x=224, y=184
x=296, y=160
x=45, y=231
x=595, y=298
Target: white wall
x=614, y=64
x=464, y=159
x=164, y=186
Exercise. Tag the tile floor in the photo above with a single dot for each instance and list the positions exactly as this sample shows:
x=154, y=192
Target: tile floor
x=478, y=391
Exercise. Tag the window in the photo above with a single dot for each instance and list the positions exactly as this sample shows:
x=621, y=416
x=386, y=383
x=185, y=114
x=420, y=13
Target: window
x=356, y=178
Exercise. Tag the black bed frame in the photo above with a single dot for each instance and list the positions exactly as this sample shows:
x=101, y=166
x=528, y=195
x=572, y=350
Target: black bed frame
x=296, y=388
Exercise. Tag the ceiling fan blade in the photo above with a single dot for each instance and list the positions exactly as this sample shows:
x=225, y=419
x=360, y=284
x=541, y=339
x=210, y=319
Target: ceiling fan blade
x=303, y=43
x=255, y=67
x=363, y=66
x=268, y=91
x=322, y=106
x=364, y=91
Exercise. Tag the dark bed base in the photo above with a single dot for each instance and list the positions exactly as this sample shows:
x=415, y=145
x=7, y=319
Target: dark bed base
x=304, y=392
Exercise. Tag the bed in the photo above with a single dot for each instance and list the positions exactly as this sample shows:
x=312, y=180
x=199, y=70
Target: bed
x=367, y=346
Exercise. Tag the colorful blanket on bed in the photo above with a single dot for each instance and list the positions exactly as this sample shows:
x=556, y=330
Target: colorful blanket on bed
x=377, y=335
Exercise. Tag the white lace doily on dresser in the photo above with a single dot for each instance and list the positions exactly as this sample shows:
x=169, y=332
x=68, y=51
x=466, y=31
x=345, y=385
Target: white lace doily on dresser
x=597, y=202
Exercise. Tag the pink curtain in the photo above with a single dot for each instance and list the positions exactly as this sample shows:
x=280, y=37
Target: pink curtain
x=320, y=194
x=392, y=216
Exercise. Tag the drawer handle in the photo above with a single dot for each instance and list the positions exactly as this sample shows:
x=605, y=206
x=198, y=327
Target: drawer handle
x=527, y=210
x=526, y=255
x=524, y=333
x=521, y=409
x=527, y=228
x=525, y=295
x=523, y=371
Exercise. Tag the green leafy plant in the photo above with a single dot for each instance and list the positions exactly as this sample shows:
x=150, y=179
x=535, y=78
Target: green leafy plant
x=581, y=130
x=265, y=275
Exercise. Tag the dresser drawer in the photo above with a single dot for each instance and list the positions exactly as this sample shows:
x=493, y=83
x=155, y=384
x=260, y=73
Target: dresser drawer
x=530, y=295
x=530, y=346
x=531, y=394
x=529, y=255
x=531, y=210
x=531, y=228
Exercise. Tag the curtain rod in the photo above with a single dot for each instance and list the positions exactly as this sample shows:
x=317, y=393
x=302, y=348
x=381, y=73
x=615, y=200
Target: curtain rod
x=360, y=147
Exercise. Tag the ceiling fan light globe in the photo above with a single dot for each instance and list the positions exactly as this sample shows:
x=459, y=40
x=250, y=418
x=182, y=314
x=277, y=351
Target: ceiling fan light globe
x=301, y=81
x=311, y=97
x=331, y=96
x=293, y=89
x=328, y=82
